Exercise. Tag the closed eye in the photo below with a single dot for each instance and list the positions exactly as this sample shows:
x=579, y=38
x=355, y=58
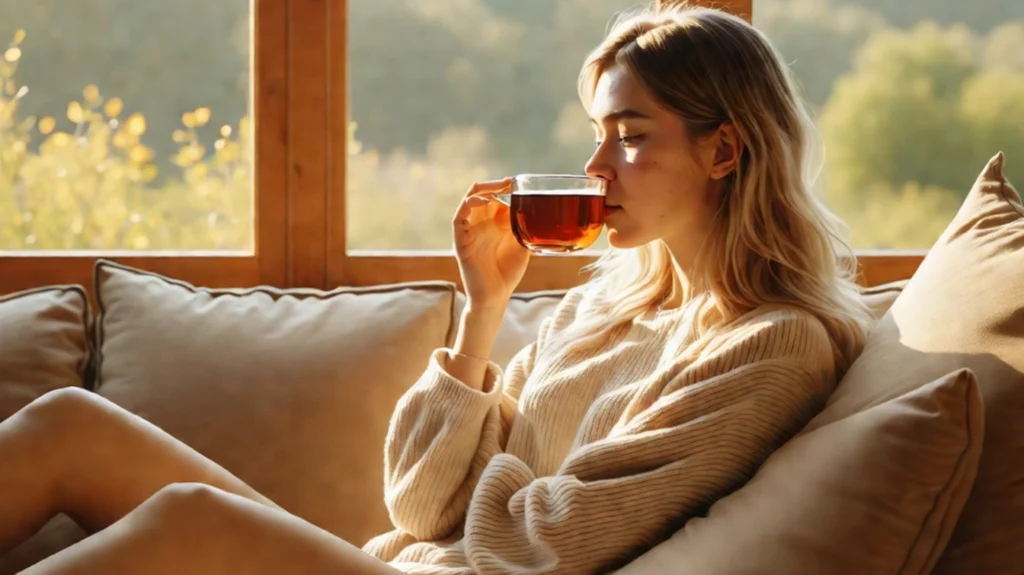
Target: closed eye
x=624, y=140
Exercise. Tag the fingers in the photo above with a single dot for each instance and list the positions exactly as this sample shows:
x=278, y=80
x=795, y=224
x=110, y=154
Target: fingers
x=489, y=188
x=479, y=194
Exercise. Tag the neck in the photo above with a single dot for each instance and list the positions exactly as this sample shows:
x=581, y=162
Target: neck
x=682, y=285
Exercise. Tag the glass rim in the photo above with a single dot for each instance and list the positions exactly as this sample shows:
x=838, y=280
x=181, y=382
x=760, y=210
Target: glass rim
x=544, y=182
x=575, y=177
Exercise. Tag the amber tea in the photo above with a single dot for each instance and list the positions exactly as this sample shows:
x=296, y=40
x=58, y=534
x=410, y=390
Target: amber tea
x=555, y=214
x=557, y=221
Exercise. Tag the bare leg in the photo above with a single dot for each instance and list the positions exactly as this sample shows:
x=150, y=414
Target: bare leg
x=201, y=530
x=74, y=452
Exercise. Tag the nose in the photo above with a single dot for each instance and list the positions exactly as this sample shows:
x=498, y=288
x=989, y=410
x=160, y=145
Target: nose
x=598, y=165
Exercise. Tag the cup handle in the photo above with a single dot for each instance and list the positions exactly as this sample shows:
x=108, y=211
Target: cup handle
x=503, y=198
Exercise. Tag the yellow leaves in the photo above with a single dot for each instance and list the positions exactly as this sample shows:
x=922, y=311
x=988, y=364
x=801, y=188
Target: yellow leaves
x=61, y=139
x=189, y=155
x=92, y=94
x=47, y=125
x=75, y=112
x=93, y=182
x=139, y=242
x=19, y=36
x=122, y=140
x=114, y=107
x=202, y=116
x=196, y=118
x=136, y=124
x=140, y=154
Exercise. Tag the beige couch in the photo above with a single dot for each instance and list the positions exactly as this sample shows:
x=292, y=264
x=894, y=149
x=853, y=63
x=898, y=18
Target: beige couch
x=915, y=466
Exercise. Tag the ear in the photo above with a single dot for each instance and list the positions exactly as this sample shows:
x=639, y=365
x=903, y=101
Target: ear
x=728, y=151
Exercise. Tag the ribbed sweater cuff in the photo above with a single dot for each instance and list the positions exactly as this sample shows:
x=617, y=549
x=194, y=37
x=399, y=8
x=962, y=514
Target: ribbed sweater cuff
x=456, y=394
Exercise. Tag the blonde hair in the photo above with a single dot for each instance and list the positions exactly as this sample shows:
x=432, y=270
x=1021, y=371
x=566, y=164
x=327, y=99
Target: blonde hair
x=772, y=242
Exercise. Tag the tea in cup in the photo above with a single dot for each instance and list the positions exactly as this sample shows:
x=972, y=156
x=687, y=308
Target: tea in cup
x=555, y=214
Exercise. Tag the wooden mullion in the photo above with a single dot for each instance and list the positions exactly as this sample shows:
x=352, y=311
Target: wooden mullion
x=307, y=142
x=337, y=142
x=270, y=125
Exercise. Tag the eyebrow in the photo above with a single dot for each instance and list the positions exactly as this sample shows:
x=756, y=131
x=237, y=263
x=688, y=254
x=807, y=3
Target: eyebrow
x=624, y=114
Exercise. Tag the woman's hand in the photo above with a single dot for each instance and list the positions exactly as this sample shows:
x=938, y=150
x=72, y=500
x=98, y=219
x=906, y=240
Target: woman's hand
x=491, y=261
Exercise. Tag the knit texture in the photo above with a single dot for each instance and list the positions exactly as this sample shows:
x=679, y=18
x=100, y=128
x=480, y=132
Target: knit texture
x=581, y=462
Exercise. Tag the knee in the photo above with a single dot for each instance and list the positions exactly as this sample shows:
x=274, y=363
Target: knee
x=64, y=407
x=194, y=504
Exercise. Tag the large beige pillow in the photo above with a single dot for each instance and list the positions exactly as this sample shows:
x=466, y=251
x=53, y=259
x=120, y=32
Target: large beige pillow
x=965, y=308
x=873, y=493
x=291, y=390
x=44, y=345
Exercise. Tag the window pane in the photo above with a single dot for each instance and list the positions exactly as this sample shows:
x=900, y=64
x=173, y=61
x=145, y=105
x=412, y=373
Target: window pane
x=911, y=99
x=447, y=92
x=124, y=125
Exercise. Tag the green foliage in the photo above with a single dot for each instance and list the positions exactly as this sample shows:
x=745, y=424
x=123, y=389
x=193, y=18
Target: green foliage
x=94, y=186
x=908, y=130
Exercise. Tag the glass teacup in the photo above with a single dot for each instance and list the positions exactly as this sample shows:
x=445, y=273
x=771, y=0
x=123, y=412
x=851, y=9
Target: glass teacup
x=556, y=214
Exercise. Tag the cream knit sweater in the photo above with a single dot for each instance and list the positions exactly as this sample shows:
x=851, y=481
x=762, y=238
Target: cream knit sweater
x=580, y=464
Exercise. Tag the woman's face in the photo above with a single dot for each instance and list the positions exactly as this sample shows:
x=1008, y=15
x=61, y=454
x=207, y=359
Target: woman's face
x=661, y=184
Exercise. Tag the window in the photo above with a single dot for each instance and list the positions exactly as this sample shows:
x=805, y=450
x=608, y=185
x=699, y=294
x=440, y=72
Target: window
x=126, y=126
x=134, y=131
x=444, y=93
x=911, y=99
x=345, y=141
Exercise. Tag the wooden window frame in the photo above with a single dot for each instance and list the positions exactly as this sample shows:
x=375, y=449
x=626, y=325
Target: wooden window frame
x=300, y=102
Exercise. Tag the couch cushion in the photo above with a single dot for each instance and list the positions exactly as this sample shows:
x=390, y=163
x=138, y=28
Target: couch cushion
x=291, y=390
x=873, y=492
x=526, y=311
x=44, y=345
x=964, y=307
x=880, y=298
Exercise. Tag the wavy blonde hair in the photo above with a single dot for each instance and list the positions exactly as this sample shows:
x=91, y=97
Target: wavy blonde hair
x=772, y=241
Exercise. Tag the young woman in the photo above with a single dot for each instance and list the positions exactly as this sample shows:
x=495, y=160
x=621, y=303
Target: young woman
x=713, y=331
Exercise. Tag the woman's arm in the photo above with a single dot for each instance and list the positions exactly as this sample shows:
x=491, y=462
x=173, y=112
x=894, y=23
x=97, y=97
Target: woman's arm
x=623, y=494
x=477, y=331
x=441, y=436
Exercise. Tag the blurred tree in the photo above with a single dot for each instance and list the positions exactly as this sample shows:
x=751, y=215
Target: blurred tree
x=162, y=58
x=981, y=16
x=95, y=186
x=909, y=129
x=817, y=38
x=894, y=118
